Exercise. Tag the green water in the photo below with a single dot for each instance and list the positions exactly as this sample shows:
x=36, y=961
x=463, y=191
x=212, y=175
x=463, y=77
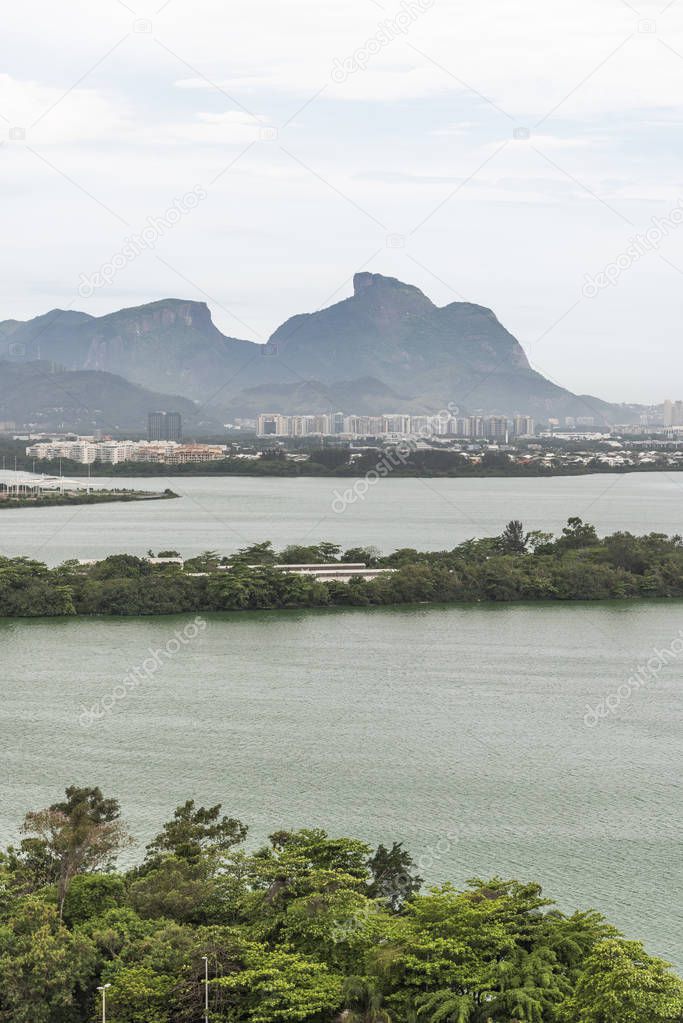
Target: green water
x=411, y=724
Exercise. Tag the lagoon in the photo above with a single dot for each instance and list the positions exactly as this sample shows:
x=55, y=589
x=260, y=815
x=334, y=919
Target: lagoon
x=227, y=513
x=457, y=729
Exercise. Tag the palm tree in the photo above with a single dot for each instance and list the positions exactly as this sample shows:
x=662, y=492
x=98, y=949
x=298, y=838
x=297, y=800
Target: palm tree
x=363, y=1002
x=446, y=1006
x=524, y=988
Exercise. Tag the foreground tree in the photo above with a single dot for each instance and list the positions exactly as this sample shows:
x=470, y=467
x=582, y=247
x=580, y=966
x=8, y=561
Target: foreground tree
x=45, y=970
x=82, y=833
x=393, y=879
x=196, y=830
x=621, y=983
x=364, y=1001
x=281, y=987
x=308, y=929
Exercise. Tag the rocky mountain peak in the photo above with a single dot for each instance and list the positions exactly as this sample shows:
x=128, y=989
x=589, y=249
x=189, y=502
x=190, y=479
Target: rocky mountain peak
x=386, y=287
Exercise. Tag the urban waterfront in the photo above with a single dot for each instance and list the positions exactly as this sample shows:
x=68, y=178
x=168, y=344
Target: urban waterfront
x=414, y=724
x=227, y=513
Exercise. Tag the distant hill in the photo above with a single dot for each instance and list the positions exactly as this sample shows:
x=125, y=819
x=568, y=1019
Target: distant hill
x=170, y=346
x=47, y=397
x=364, y=395
x=385, y=348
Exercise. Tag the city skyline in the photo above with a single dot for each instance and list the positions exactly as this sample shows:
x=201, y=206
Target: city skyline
x=398, y=424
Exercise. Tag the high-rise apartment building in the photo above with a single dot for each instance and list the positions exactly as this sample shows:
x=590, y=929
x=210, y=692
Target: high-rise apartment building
x=392, y=425
x=673, y=413
x=523, y=426
x=165, y=426
x=497, y=428
x=477, y=426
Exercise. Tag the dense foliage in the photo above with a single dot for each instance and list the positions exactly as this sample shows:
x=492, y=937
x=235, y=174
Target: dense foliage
x=308, y=928
x=511, y=567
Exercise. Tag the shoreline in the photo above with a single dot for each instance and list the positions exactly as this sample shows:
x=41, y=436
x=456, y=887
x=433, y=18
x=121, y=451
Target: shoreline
x=335, y=609
x=170, y=472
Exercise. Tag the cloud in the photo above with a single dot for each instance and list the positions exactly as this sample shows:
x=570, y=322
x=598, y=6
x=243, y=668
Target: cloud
x=54, y=115
x=231, y=127
x=585, y=59
x=460, y=129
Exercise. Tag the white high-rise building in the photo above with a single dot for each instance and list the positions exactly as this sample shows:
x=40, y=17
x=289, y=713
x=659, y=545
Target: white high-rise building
x=523, y=426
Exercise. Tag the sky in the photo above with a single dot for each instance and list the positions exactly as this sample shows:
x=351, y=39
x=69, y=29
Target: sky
x=526, y=157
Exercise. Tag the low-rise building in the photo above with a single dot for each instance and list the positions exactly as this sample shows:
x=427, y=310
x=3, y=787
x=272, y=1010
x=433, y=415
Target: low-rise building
x=86, y=451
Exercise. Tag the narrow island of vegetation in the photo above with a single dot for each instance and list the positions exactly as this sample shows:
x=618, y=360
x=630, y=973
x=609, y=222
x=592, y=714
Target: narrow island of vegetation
x=52, y=499
x=515, y=566
x=307, y=928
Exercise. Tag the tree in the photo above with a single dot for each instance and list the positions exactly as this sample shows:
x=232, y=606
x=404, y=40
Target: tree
x=540, y=542
x=194, y=831
x=90, y=895
x=446, y=1006
x=392, y=878
x=310, y=891
x=45, y=969
x=207, y=561
x=363, y=1001
x=297, y=554
x=621, y=983
x=576, y=534
x=282, y=987
x=369, y=555
x=82, y=833
x=513, y=539
x=256, y=554
x=175, y=889
x=140, y=994
x=121, y=566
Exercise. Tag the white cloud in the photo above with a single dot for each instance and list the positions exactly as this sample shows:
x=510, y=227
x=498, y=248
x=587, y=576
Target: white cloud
x=231, y=127
x=54, y=115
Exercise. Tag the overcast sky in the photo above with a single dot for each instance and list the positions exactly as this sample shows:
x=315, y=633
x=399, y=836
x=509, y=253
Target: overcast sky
x=502, y=153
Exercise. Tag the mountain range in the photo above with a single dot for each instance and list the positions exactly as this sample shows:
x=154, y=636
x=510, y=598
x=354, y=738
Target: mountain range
x=386, y=348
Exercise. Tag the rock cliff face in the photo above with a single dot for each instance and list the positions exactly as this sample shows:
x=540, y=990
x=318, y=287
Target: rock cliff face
x=387, y=347
x=392, y=331
x=171, y=346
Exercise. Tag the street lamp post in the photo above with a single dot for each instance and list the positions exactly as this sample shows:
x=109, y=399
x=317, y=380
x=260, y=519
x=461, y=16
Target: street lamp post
x=206, y=988
x=103, y=989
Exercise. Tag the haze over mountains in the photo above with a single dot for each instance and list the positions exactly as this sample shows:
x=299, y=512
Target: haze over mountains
x=50, y=398
x=386, y=348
